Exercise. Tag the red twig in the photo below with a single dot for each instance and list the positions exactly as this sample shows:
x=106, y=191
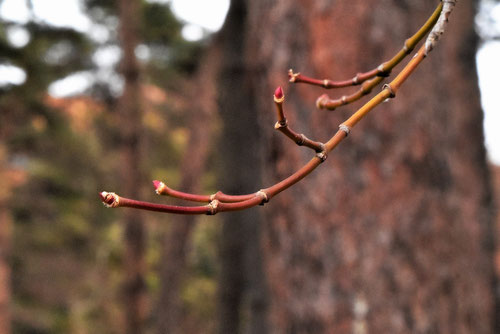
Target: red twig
x=377, y=74
x=282, y=125
x=162, y=189
x=220, y=202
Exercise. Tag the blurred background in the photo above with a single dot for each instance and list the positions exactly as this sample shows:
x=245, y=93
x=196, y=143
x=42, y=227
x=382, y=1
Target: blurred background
x=395, y=233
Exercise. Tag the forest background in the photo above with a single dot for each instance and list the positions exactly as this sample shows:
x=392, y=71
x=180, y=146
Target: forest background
x=67, y=265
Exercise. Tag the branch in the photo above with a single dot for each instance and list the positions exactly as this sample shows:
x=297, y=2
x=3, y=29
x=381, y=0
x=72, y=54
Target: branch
x=162, y=189
x=324, y=101
x=264, y=195
x=438, y=30
x=378, y=73
x=220, y=202
x=282, y=126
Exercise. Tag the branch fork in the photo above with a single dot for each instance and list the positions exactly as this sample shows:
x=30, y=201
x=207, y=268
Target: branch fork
x=220, y=202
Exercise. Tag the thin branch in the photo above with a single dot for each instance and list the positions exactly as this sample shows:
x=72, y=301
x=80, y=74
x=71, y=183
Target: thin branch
x=324, y=101
x=378, y=74
x=383, y=70
x=162, y=189
x=282, y=126
x=264, y=195
x=112, y=200
x=241, y=202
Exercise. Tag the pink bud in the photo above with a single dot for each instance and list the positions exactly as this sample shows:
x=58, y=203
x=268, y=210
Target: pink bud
x=157, y=184
x=278, y=93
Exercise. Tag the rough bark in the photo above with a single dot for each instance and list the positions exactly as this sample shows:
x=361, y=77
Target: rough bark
x=241, y=283
x=393, y=233
x=130, y=127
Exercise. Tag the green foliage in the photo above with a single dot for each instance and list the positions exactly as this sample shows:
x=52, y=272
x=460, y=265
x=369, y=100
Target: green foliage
x=159, y=25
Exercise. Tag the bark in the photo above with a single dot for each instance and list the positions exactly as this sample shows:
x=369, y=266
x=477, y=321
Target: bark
x=241, y=283
x=393, y=234
x=130, y=126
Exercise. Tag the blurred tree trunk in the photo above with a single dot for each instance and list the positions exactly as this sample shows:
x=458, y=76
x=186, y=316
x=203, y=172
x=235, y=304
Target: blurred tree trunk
x=393, y=234
x=5, y=238
x=5, y=231
x=241, y=282
x=176, y=240
x=130, y=127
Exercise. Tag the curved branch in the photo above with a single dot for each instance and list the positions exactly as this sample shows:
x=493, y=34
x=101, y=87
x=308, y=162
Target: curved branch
x=220, y=202
x=384, y=69
x=282, y=125
x=112, y=200
x=324, y=101
x=264, y=195
x=162, y=189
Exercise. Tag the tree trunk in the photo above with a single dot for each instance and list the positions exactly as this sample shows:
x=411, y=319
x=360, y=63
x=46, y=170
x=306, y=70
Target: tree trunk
x=241, y=282
x=5, y=239
x=130, y=125
x=393, y=233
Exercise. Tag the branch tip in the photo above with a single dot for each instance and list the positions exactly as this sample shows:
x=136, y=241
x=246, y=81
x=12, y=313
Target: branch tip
x=279, y=97
x=278, y=93
x=110, y=200
x=320, y=102
x=160, y=187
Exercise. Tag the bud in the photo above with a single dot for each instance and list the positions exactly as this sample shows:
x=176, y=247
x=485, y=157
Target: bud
x=159, y=186
x=278, y=93
x=279, y=97
x=111, y=200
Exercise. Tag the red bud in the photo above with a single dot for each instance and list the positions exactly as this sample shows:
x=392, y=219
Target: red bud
x=278, y=93
x=157, y=184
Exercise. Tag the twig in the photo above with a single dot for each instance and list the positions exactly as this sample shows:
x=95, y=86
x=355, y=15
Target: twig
x=378, y=73
x=324, y=101
x=220, y=202
x=438, y=30
x=162, y=189
x=282, y=126
x=264, y=195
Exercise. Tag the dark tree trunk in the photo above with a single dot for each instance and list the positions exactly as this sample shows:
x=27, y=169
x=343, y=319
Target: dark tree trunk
x=393, y=233
x=130, y=125
x=241, y=283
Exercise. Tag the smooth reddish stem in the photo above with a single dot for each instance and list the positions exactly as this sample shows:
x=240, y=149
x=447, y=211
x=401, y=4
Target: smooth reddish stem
x=282, y=125
x=263, y=196
x=162, y=189
x=324, y=101
x=115, y=201
x=187, y=210
x=384, y=69
x=329, y=84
